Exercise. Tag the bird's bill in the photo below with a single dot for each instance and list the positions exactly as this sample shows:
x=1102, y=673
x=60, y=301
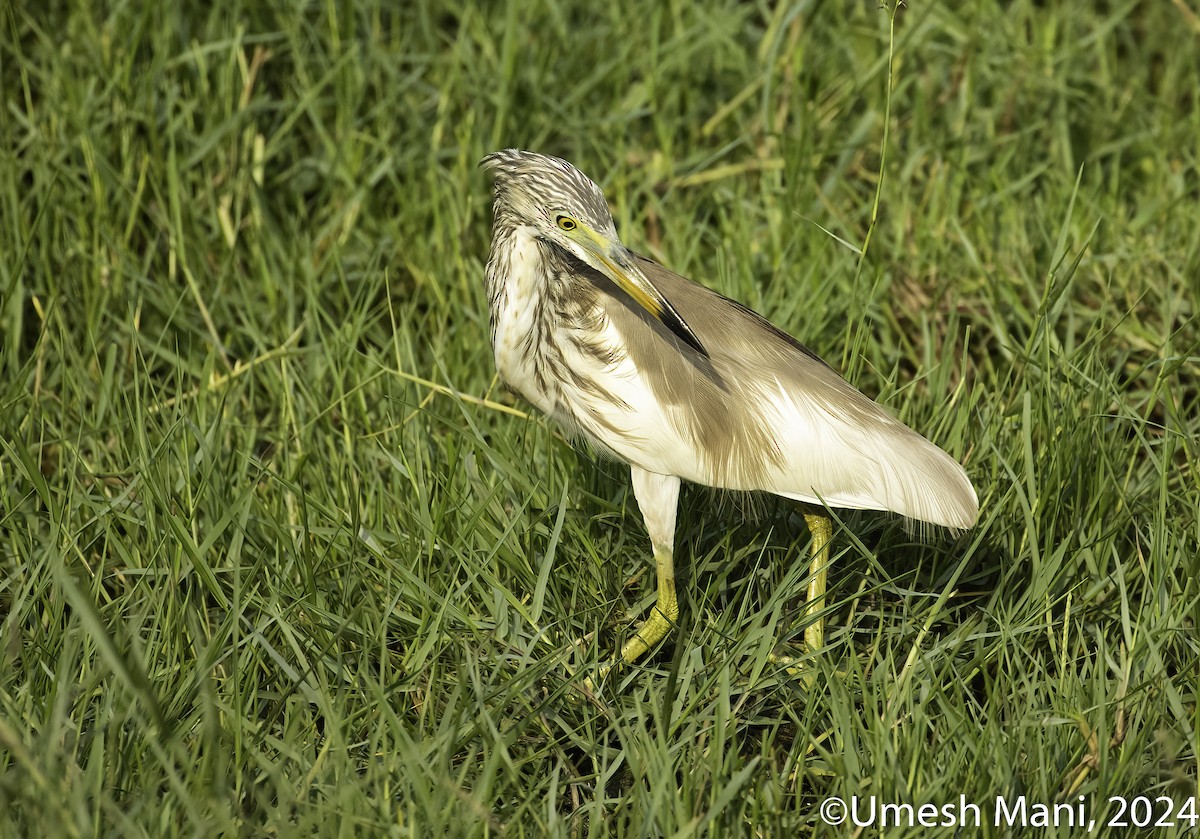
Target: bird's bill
x=615, y=264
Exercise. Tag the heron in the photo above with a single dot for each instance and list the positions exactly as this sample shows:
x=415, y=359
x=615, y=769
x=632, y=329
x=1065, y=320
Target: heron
x=684, y=384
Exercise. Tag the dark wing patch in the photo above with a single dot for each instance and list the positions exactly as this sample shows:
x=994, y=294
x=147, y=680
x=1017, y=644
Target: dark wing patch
x=774, y=330
x=653, y=269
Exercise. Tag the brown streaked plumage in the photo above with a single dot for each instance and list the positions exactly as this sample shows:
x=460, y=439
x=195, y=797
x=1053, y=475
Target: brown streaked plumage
x=683, y=383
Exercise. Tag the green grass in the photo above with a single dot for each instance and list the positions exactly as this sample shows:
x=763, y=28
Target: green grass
x=258, y=577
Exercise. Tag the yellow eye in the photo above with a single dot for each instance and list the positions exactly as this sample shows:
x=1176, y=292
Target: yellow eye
x=566, y=223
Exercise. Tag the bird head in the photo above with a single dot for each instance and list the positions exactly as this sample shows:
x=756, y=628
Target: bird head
x=563, y=208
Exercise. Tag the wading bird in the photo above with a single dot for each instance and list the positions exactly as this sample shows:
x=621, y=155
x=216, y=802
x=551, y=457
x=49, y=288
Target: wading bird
x=684, y=384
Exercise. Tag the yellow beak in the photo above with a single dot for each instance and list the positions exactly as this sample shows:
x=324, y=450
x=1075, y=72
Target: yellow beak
x=613, y=261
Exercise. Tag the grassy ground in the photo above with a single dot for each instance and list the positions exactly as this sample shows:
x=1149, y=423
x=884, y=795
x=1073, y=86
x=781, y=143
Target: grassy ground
x=277, y=556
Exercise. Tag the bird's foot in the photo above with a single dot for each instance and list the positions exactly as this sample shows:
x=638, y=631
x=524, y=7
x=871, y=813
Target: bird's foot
x=803, y=667
x=798, y=667
x=661, y=620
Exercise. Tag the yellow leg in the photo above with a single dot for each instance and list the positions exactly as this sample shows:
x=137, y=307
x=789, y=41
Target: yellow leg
x=821, y=529
x=662, y=617
x=657, y=496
